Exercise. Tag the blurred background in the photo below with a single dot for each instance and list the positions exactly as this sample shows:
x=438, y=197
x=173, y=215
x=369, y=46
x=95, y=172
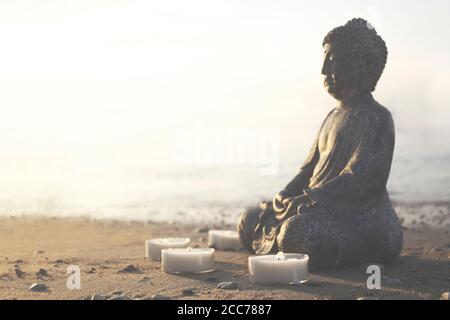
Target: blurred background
x=91, y=93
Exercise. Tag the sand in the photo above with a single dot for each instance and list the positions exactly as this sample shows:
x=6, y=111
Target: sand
x=101, y=248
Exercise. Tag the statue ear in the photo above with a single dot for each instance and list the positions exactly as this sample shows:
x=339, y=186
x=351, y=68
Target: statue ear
x=371, y=67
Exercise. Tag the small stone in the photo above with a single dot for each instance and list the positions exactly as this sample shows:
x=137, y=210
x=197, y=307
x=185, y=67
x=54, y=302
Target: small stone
x=38, y=287
x=202, y=230
x=228, y=285
x=98, y=297
x=59, y=261
x=388, y=280
x=42, y=273
x=38, y=252
x=19, y=261
x=130, y=269
x=19, y=273
x=187, y=292
x=92, y=270
x=445, y=296
x=158, y=296
x=437, y=249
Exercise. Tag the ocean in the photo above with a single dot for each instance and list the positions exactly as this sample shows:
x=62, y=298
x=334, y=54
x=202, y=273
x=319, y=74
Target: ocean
x=108, y=185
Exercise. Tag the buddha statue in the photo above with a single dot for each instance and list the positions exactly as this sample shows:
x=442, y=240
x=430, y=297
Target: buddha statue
x=337, y=209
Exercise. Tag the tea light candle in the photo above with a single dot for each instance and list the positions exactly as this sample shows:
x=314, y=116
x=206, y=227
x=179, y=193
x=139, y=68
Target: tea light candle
x=224, y=240
x=282, y=268
x=187, y=260
x=153, y=247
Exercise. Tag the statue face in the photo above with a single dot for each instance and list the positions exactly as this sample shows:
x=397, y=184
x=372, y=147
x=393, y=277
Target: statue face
x=340, y=77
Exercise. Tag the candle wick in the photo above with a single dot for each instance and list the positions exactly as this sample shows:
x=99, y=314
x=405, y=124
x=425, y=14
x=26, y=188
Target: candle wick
x=280, y=256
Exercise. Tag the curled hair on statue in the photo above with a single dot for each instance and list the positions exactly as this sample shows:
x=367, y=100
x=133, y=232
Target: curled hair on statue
x=358, y=44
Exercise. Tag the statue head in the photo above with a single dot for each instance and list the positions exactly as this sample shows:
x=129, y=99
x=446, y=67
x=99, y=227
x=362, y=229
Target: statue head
x=355, y=56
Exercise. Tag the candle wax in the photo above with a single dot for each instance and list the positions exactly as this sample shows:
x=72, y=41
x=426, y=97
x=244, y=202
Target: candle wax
x=153, y=247
x=187, y=260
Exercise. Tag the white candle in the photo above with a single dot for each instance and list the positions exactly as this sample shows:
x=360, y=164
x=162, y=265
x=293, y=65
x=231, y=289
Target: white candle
x=153, y=247
x=282, y=268
x=187, y=260
x=224, y=240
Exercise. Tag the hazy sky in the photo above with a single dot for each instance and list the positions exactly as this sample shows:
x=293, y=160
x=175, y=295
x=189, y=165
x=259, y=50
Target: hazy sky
x=85, y=82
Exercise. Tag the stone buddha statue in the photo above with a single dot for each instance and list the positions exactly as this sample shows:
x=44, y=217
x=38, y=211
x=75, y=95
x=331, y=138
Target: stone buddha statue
x=337, y=209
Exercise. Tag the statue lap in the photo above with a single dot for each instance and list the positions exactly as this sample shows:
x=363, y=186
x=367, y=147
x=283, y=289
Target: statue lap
x=331, y=239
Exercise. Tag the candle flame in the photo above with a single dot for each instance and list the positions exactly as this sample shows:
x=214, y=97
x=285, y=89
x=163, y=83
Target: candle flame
x=280, y=256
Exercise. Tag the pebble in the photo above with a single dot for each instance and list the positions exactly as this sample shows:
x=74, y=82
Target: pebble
x=158, y=296
x=42, y=273
x=92, y=270
x=202, y=230
x=38, y=287
x=19, y=273
x=59, y=261
x=187, y=292
x=130, y=269
x=229, y=285
x=445, y=296
x=367, y=298
x=38, y=252
x=98, y=297
x=388, y=280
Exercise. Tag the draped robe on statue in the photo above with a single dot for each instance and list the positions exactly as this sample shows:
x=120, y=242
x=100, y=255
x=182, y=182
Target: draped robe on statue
x=351, y=219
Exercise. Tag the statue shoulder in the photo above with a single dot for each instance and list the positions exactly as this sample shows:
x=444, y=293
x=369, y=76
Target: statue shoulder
x=376, y=113
x=383, y=114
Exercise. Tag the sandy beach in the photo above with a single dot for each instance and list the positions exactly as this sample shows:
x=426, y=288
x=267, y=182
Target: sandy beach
x=38, y=250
